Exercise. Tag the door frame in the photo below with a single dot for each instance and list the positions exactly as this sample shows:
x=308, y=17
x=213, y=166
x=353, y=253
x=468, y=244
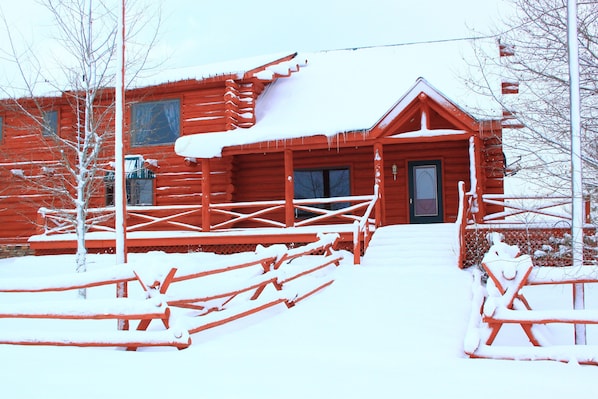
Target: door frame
x=439, y=217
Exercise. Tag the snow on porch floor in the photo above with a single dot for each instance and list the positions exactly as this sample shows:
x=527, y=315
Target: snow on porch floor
x=413, y=244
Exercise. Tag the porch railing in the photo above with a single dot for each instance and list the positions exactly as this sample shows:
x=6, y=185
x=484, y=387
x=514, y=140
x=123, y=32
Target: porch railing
x=539, y=225
x=530, y=209
x=364, y=228
x=357, y=211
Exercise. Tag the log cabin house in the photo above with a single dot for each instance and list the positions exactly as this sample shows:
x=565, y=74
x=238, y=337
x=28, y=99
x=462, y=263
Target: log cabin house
x=341, y=140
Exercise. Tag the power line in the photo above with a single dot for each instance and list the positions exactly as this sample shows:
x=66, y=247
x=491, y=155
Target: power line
x=459, y=39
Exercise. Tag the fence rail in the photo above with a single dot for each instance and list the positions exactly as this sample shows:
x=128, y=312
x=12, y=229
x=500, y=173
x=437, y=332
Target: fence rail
x=204, y=296
x=529, y=209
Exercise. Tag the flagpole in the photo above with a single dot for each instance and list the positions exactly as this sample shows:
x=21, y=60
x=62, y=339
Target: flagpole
x=120, y=201
x=577, y=218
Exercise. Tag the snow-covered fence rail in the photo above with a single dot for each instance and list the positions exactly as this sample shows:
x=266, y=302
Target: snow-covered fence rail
x=504, y=301
x=279, y=276
x=153, y=307
x=187, y=299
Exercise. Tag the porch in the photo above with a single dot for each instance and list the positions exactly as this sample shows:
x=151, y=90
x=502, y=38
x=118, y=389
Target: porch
x=539, y=226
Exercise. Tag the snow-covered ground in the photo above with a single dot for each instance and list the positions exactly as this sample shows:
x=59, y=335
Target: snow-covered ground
x=382, y=330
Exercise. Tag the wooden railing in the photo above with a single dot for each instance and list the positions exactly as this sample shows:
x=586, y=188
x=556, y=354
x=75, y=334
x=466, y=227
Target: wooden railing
x=537, y=224
x=530, y=209
x=356, y=210
x=177, y=217
x=364, y=228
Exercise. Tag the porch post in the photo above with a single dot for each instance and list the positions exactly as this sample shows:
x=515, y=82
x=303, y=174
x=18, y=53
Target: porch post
x=475, y=160
x=205, y=194
x=379, y=180
x=289, y=188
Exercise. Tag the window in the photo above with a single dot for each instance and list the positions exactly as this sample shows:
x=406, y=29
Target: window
x=1, y=130
x=50, y=123
x=139, y=183
x=156, y=122
x=323, y=183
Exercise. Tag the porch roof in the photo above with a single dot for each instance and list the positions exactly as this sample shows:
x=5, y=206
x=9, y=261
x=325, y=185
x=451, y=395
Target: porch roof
x=342, y=91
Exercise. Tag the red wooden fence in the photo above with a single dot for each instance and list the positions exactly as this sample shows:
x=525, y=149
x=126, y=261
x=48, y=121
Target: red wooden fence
x=201, y=296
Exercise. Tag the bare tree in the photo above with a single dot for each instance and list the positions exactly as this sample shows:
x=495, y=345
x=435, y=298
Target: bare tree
x=85, y=59
x=533, y=70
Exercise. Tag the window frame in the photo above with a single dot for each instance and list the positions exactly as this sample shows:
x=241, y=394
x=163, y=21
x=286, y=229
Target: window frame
x=50, y=125
x=136, y=174
x=145, y=132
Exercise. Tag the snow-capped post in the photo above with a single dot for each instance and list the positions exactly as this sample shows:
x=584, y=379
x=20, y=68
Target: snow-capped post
x=289, y=189
x=206, y=190
x=120, y=202
x=379, y=181
x=576, y=176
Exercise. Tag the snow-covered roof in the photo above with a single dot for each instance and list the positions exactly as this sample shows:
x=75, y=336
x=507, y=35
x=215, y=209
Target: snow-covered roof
x=343, y=91
x=236, y=67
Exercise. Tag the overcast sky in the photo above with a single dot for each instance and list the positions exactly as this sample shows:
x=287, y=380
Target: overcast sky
x=240, y=28
x=195, y=32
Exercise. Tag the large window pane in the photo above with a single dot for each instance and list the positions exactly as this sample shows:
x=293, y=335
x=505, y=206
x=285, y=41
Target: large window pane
x=339, y=186
x=426, y=196
x=140, y=191
x=323, y=183
x=309, y=184
x=156, y=122
x=50, y=121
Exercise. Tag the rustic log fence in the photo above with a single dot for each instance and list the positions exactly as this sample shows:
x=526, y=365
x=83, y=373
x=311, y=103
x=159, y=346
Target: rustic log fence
x=185, y=300
x=504, y=300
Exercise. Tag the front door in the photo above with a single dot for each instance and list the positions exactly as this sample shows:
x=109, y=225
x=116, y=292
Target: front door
x=425, y=192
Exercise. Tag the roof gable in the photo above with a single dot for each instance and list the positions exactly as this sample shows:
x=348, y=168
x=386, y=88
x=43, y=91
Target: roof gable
x=426, y=111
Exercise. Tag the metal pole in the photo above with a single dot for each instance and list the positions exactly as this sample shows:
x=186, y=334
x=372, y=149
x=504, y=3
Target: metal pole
x=120, y=201
x=576, y=164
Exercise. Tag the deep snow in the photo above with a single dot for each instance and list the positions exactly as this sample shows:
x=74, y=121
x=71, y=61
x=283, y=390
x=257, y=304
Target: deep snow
x=380, y=331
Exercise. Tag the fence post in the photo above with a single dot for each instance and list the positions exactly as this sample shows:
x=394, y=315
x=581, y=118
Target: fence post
x=289, y=189
x=205, y=194
x=41, y=227
x=464, y=210
x=356, y=244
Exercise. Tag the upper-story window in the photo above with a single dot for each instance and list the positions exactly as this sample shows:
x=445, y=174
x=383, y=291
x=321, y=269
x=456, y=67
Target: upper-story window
x=50, y=123
x=156, y=122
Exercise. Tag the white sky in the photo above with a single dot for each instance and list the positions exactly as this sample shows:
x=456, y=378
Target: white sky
x=195, y=32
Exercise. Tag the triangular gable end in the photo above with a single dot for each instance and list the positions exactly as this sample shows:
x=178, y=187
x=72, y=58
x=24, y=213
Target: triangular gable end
x=424, y=109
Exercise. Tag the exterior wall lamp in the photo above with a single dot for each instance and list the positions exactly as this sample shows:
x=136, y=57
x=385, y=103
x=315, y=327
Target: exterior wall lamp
x=394, y=169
